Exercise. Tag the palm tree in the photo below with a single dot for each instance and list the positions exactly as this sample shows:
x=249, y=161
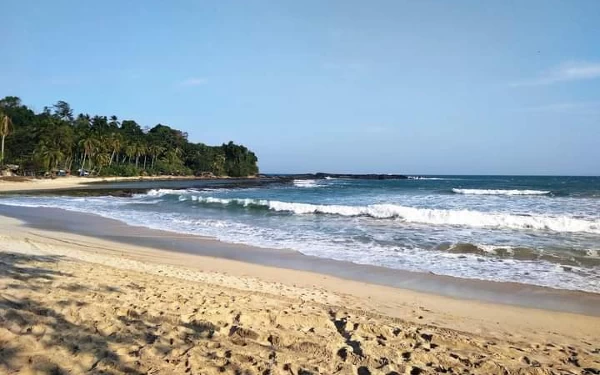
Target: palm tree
x=89, y=145
x=56, y=155
x=173, y=155
x=5, y=129
x=130, y=151
x=138, y=150
x=141, y=150
x=155, y=150
x=114, y=142
x=218, y=165
x=48, y=155
x=114, y=122
x=101, y=159
x=41, y=153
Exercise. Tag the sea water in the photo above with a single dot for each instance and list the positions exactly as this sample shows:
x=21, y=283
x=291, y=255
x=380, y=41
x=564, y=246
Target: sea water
x=535, y=230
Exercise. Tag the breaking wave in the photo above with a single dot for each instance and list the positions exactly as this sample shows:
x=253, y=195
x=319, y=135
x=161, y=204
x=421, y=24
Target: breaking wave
x=162, y=192
x=425, y=178
x=305, y=183
x=500, y=192
x=418, y=215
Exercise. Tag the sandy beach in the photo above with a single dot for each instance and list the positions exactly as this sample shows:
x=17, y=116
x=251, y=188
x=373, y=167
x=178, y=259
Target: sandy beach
x=15, y=184
x=76, y=304
x=300, y=188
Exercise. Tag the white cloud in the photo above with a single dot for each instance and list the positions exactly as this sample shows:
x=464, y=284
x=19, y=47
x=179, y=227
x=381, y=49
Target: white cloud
x=566, y=72
x=194, y=81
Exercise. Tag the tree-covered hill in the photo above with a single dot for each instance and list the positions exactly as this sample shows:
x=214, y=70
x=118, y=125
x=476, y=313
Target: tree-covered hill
x=55, y=139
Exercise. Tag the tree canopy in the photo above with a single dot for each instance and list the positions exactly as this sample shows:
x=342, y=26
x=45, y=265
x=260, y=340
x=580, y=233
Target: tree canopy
x=55, y=139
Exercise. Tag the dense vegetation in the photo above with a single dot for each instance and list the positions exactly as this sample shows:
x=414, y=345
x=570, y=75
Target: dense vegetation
x=55, y=140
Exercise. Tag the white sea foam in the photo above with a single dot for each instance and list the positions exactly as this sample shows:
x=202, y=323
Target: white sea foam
x=491, y=249
x=425, y=178
x=424, y=215
x=154, y=201
x=322, y=244
x=500, y=192
x=162, y=192
x=306, y=183
x=592, y=253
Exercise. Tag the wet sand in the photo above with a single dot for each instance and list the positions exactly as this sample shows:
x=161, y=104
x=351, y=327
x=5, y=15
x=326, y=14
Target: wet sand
x=77, y=304
x=487, y=291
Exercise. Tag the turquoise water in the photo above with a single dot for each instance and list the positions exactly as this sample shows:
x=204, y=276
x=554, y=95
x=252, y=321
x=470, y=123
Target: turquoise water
x=536, y=230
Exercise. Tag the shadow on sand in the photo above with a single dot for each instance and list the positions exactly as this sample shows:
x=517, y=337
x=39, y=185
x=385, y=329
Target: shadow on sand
x=34, y=321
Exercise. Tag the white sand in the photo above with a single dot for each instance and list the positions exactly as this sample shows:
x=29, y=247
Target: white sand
x=74, y=181
x=74, y=304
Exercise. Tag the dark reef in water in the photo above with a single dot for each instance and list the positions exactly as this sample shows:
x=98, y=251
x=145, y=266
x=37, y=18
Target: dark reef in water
x=127, y=189
x=321, y=176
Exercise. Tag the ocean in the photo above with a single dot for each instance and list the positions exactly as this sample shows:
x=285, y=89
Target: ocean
x=534, y=230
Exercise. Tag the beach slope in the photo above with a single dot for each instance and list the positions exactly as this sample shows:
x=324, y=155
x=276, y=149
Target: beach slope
x=73, y=304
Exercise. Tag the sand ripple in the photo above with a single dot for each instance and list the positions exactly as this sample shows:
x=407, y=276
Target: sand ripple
x=59, y=315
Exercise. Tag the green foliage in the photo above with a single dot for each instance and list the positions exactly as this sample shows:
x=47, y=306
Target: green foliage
x=239, y=161
x=177, y=169
x=123, y=170
x=56, y=139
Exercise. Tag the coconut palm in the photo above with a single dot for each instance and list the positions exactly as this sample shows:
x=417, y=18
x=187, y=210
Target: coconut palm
x=145, y=152
x=5, y=129
x=218, y=164
x=89, y=145
x=49, y=156
x=155, y=150
x=130, y=151
x=101, y=159
x=41, y=153
x=140, y=149
x=114, y=122
x=173, y=155
x=115, y=143
x=54, y=138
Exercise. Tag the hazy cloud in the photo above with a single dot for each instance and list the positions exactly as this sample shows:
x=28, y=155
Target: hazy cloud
x=566, y=72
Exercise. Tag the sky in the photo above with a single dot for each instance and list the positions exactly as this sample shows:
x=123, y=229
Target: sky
x=415, y=87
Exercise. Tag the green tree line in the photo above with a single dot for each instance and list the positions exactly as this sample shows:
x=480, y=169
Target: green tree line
x=56, y=139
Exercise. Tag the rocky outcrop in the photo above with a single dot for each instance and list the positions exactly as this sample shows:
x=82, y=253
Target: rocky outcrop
x=322, y=175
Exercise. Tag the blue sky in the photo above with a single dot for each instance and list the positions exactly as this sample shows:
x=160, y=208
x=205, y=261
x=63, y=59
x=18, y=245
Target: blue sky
x=420, y=87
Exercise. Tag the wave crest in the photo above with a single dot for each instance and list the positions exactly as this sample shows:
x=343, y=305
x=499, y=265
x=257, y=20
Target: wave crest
x=425, y=178
x=421, y=215
x=499, y=192
x=163, y=192
x=305, y=183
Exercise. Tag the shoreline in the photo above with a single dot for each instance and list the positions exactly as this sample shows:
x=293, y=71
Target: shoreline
x=515, y=294
x=104, y=250
x=74, y=304
x=74, y=182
